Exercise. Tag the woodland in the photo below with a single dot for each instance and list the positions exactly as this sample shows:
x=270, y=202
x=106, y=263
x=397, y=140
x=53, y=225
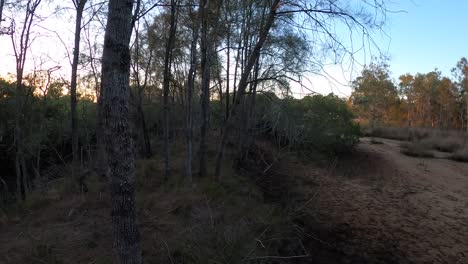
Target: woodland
x=171, y=133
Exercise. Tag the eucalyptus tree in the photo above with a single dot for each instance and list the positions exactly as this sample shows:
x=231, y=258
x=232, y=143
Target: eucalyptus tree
x=79, y=7
x=21, y=41
x=190, y=87
x=317, y=22
x=2, y=4
x=461, y=75
x=117, y=133
x=167, y=71
x=374, y=93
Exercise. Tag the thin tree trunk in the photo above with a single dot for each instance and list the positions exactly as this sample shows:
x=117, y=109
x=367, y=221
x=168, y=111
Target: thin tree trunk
x=167, y=72
x=189, y=114
x=79, y=5
x=2, y=3
x=228, y=62
x=205, y=85
x=116, y=128
x=254, y=55
x=466, y=96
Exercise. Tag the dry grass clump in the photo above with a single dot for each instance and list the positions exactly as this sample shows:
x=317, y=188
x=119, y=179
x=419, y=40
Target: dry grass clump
x=376, y=142
x=461, y=154
x=417, y=149
x=389, y=132
x=445, y=143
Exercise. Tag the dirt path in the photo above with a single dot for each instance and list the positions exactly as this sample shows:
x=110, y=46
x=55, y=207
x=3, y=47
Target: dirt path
x=385, y=207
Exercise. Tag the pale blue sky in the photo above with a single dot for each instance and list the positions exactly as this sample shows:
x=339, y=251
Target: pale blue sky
x=432, y=33
x=425, y=35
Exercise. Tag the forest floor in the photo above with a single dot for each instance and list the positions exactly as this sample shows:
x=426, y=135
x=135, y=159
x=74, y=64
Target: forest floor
x=382, y=206
x=376, y=205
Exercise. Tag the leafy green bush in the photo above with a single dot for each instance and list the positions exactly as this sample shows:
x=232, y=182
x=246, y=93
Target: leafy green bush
x=313, y=123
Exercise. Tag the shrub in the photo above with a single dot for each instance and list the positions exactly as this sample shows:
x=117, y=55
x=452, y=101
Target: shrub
x=418, y=149
x=461, y=154
x=313, y=124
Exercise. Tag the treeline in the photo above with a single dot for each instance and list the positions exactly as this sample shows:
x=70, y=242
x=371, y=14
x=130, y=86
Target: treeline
x=427, y=100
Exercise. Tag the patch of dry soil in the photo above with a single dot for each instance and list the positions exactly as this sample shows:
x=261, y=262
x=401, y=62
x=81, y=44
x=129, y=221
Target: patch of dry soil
x=386, y=207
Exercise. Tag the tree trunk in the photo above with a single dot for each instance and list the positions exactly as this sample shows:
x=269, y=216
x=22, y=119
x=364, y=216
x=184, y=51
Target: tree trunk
x=79, y=5
x=189, y=114
x=254, y=55
x=205, y=85
x=228, y=62
x=116, y=129
x=2, y=3
x=466, y=96
x=167, y=72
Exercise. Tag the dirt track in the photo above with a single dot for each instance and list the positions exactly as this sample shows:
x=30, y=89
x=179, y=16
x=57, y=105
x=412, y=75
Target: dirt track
x=384, y=207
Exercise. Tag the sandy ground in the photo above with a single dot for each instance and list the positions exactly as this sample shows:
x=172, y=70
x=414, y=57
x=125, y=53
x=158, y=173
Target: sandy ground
x=380, y=206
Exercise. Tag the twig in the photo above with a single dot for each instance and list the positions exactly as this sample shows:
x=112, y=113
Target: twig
x=168, y=251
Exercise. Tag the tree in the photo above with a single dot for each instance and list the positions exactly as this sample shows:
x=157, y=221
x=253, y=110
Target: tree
x=117, y=135
x=243, y=82
x=374, y=93
x=461, y=74
x=79, y=7
x=167, y=76
x=20, y=48
x=189, y=100
x=407, y=91
x=2, y=4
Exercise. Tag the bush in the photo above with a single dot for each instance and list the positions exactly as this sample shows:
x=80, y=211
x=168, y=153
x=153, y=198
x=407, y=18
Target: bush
x=418, y=149
x=314, y=123
x=461, y=154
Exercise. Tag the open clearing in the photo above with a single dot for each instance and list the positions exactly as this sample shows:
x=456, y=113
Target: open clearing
x=381, y=206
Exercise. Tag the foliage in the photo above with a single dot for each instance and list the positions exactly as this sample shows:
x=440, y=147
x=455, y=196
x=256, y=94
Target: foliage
x=315, y=123
x=374, y=94
x=421, y=100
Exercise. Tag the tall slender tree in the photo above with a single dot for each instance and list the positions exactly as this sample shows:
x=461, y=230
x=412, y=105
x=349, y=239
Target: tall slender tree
x=21, y=45
x=243, y=82
x=117, y=135
x=189, y=99
x=167, y=75
x=79, y=7
x=205, y=83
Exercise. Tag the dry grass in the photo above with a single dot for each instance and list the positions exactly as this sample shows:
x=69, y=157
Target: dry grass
x=461, y=154
x=423, y=139
x=209, y=223
x=417, y=149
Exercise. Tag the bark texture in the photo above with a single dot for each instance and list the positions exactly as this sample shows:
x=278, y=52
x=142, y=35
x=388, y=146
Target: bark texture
x=116, y=129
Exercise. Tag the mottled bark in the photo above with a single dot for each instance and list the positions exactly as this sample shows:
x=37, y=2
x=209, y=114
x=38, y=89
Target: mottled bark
x=116, y=130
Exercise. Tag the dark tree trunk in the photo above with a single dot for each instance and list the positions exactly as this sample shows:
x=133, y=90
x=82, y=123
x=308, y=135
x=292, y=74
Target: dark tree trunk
x=167, y=73
x=228, y=62
x=205, y=85
x=189, y=114
x=2, y=3
x=20, y=49
x=79, y=5
x=253, y=57
x=116, y=130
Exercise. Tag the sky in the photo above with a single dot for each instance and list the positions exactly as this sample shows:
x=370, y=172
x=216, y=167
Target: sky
x=427, y=34
x=424, y=35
